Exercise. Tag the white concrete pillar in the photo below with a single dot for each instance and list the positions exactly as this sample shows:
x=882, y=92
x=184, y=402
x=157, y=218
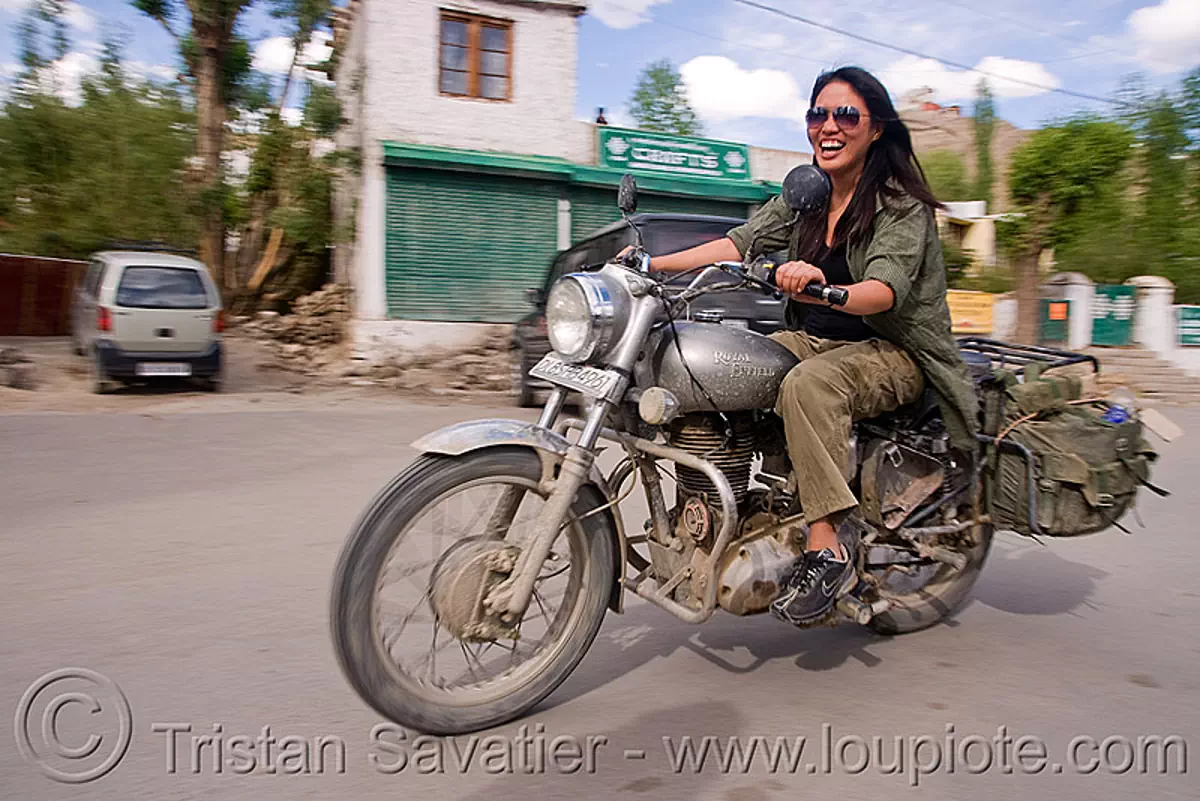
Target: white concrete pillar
x=1081, y=292
x=564, y=223
x=1004, y=316
x=1079, y=332
x=1154, y=320
x=370, y=281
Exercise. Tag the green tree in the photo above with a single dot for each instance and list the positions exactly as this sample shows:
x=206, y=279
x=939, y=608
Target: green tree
x=1055, y=178
x=985, y=126
x=305, y=17
x=1163, y=217
x=1164, y=146
x=112, y=167
x=947, y=175
x=660, y=102
x=216, y=60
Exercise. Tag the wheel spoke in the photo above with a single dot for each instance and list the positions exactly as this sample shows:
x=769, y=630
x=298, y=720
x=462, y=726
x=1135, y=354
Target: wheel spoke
x=472, y=658
x=456, y=523
x=393, y=575
x=488, y=503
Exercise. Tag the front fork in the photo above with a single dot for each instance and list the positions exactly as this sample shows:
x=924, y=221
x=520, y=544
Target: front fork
x=510, y=598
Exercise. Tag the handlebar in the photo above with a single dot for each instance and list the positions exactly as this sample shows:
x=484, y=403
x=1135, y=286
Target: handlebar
x=638, y=260
x=833, y=295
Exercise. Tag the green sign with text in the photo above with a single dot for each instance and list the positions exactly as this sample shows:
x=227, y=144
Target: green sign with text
x=643, y=151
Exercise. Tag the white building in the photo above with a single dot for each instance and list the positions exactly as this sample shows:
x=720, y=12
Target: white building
x=474, y=171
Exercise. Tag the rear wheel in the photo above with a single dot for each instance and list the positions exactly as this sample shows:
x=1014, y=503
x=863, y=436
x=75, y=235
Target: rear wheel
x=923, y=592
x=214, y=382
x=101, y=383
x=408, y=586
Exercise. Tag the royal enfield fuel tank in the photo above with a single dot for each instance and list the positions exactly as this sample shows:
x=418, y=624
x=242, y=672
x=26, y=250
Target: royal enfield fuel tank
x=739, y=369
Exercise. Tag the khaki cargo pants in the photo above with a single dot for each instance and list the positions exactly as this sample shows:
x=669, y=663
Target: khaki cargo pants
x=836, y=383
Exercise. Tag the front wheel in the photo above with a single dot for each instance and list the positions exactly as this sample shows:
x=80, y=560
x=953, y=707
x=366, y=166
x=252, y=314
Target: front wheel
x=407, y=589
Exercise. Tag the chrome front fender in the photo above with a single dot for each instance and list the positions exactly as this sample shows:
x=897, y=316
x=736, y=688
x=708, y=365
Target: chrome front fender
x=551, y=447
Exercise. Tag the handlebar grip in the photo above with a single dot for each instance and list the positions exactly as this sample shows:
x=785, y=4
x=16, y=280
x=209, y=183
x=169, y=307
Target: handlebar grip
x=833, y=295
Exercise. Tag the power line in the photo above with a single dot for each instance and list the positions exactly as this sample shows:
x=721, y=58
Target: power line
x=729, y=42
x=1018, y=23
x=918, y=54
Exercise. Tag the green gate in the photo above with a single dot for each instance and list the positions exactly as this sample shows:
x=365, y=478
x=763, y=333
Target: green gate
x=463, y=247
x=1187, y=324
x=1112, y=314
x=1055, y=317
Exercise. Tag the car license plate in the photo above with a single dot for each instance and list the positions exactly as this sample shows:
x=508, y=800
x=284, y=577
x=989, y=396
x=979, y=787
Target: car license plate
x=163, y=368
x=588, y=380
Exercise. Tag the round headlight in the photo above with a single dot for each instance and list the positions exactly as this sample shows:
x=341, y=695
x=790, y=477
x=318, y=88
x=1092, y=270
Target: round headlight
x=579, y=316
x=568, y=321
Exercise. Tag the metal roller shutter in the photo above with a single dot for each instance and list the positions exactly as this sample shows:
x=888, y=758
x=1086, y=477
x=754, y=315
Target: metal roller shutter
x=593, y=208
x=463, y=247
x=691, y=205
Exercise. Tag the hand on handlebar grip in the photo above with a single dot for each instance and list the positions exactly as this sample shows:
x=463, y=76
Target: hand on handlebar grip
x=794, y=276
x=833, y=295
x=628, y=256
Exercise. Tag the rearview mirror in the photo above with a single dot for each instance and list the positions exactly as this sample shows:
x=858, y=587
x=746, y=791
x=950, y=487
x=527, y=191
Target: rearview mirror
x=627, y=194
x=806, y=190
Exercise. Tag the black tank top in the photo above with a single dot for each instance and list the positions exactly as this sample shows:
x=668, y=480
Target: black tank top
x=828, y=322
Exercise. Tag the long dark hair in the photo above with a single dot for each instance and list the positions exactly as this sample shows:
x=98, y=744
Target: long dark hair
x=892, y=169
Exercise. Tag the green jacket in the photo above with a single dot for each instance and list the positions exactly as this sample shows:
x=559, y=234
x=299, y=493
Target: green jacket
x=904, y=253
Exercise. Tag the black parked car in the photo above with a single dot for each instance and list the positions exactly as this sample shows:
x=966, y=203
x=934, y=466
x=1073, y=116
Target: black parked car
x=663, y=233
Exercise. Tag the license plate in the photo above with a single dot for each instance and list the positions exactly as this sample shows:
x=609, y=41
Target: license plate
x=163, y=368
x=588, y=380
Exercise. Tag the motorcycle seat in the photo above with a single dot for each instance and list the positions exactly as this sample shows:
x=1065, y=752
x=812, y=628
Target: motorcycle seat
x=920, y=411
x=912, y=415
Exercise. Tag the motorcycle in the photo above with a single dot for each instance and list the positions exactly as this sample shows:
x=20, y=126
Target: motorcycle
x=478, y=578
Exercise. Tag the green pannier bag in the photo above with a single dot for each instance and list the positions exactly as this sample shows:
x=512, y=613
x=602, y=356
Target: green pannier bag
x=1085, y=470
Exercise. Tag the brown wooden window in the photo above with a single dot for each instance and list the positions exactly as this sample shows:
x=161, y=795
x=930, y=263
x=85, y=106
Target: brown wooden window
x=475, y=56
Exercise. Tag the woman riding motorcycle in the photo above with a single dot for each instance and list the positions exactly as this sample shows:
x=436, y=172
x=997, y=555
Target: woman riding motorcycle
x=878, y=239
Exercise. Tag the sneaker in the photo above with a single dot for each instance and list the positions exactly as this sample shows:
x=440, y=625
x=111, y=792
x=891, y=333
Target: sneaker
x=812, y=585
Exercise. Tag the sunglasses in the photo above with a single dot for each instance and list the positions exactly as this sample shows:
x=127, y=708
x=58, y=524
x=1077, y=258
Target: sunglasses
x=844, y=117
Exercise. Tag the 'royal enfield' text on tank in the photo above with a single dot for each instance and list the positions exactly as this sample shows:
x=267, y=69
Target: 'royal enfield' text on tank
x=477, y=579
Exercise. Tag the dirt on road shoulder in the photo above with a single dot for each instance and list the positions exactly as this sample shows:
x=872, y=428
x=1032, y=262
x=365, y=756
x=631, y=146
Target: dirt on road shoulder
x=254, y=374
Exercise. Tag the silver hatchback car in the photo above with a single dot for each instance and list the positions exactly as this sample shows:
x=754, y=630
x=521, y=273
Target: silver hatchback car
x=140, y=315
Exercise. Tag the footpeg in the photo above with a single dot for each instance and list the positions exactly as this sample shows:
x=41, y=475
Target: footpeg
x=859, y=611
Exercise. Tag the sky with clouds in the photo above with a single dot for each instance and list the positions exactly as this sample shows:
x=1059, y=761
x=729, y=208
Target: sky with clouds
x=749, y=72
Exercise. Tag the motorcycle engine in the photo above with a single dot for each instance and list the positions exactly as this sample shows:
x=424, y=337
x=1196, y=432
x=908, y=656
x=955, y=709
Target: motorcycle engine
x=704, y=435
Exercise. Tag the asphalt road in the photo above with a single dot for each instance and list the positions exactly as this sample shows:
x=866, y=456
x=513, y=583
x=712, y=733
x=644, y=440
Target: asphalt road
x=185, y=553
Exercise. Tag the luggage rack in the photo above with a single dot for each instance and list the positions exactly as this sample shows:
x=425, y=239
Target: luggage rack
x=1010, y=356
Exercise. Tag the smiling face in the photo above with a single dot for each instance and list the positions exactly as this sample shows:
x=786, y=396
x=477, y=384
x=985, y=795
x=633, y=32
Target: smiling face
x=839, y=149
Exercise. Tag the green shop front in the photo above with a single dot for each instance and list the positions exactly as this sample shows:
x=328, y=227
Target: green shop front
x=467, y=231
